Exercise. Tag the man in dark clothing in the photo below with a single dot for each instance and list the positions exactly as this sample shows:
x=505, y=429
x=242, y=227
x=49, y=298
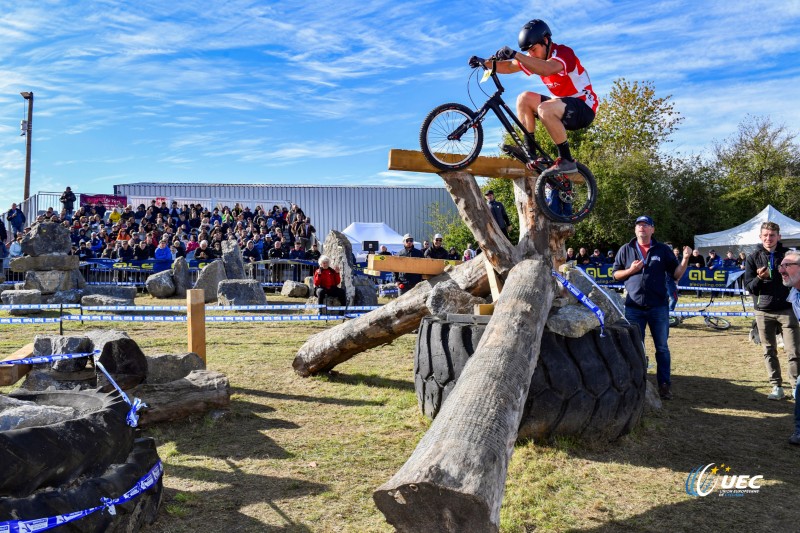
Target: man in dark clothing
x=297, y=253
x=773, y=312
x=406, y=282
x=498, y=212
x=583, y=257
x=16, y=218
x=643, y=265
x=125, y=253
x=276, y=252
x=436, y=251
x=68, y=201
x=313, y=254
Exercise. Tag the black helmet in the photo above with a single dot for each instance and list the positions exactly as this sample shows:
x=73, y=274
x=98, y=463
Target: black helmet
x=532, y=33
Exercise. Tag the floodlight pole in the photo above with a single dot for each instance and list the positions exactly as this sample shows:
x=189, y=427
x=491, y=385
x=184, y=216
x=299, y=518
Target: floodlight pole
x=27, y=191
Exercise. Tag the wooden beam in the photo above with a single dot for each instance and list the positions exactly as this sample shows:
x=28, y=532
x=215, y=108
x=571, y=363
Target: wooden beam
x=409, y=265
x=495, y=282
x=483, y=309
x=10, y=374
x=196, y=320
x=493, y=167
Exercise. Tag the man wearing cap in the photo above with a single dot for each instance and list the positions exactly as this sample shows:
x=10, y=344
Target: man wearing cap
x=436, y=251
x=643, y=265
x=498, y=212
x=406, y=282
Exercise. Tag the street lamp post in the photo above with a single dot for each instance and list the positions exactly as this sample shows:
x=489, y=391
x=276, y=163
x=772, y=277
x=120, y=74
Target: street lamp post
x=29, y=97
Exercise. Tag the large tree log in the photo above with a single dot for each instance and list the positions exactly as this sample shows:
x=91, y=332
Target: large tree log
x=331, y=347
x=455, y=479
x=200, y=391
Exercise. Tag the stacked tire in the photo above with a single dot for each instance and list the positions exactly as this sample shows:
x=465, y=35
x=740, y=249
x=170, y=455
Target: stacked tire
x=68, y=466
x=590, y=387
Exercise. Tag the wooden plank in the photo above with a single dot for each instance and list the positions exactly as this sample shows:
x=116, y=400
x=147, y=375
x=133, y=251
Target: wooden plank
x=495, y=282
x=409, y=265
x=196, y=320
x=10, y=374
x=484, y=309
x=493, y=167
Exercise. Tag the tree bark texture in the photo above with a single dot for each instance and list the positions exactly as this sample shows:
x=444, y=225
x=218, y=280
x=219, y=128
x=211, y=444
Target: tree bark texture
x=455, y=479
x=200, y=391
x=331, y=347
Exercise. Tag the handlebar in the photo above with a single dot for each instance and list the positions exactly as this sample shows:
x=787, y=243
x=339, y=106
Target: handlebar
x=493, y=73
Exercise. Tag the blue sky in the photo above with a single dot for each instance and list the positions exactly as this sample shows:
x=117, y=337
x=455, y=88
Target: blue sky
x=317, y=92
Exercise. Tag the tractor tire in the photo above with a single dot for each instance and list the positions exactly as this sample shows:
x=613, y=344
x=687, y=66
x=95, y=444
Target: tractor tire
x=86, y=493
x=591, y=387
x=54, y=454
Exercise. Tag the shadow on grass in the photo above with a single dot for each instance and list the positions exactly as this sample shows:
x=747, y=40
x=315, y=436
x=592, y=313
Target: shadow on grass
x=371, y=381
x=233, y=490
x=301, y=398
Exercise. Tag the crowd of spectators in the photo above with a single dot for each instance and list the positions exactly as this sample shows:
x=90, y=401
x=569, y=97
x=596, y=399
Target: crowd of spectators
x=697, y=260
x=166, y=232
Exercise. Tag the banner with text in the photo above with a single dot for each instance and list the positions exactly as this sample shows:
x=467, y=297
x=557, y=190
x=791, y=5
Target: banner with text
x=693, y=277
x=109, y=201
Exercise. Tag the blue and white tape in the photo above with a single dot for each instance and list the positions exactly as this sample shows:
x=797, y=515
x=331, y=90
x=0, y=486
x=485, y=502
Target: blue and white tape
x=30, y=320
x=41, y=359
x=144, y=483
x=123, y=318
x=582, y=298
x=711, y=313
x=137, y=404
x=19, y=307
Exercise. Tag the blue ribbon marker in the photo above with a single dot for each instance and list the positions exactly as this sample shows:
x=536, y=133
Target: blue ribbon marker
x=136, y=404
x=582, y=298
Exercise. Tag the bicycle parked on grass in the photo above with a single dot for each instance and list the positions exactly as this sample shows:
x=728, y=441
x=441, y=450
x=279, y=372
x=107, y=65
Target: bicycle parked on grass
x=451, y=138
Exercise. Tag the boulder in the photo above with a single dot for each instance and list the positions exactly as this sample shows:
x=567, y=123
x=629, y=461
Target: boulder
x=126, y=292
x=101, y=299
x=45, y=262
x=339, y=249
x=240, y=292
x=572, y=321
x=65, y=297
x=447, y=297
x=46, y=238
x=20, y=414
x=166, y=368
x=120, y=355
x=365, y=290
x=610, y=302
x=53, y=281
x=181, y=277
x=295, y=289
x=160, y=284
x=62, y=344
x=580, y=280
x=232, y=259
x=652, y=401
x=22, y=297
x=329, y=301
x=46, y=378
x=209, y=279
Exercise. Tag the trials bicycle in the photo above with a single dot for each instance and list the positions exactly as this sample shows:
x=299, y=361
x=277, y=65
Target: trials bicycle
x=451, y=138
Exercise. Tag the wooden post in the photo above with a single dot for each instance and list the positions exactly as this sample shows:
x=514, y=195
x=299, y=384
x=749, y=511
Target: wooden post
x=11, y=374
x=196, y=319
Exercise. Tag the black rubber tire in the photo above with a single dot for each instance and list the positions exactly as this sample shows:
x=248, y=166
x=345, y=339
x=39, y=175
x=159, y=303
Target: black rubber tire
x=115, y=481
x=448, y=154
x=591, y=387
x=51, y=455
x=587, y=197
x=674, y=321
x=716, y=322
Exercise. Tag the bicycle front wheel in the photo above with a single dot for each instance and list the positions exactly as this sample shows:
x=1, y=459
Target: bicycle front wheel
x=449, y=138
x=567, y=198
x=716, y=322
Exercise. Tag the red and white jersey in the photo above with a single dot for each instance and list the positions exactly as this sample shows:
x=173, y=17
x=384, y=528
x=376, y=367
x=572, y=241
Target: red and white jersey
x=572, y=80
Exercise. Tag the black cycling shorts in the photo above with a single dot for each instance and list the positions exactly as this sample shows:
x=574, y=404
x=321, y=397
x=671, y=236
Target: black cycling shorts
x=577, y=115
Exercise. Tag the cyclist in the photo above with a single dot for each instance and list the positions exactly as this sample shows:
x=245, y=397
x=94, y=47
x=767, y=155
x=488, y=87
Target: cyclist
x=574, y=104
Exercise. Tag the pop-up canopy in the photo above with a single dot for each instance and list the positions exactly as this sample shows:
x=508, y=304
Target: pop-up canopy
x=745, y=237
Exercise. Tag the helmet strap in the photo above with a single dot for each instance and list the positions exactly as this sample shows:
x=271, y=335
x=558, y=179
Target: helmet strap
x=547, y=48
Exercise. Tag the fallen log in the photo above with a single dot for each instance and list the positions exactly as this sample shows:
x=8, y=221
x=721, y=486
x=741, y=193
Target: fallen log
x=197, y=393
x=331, y=347
x=455, y=479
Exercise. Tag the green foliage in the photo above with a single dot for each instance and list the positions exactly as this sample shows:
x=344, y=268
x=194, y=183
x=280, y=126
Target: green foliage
x=451, y=226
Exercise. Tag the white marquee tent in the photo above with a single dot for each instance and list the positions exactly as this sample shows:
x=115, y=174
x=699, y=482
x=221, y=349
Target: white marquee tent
x=358, y=232
x=745, y=237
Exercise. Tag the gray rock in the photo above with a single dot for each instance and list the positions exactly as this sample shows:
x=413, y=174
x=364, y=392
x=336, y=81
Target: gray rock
x=19, y=286
x=45, y=262
x=366, y=292
x=101, y=299
x=166, y=368
x=181, y=277
x=62, y=344
x=38, y=380
x=126, y=292
x=329, y=301
x=232, y=259
x=19, y=414
x=339, y=249
x=652, y=401
x=119, y=354
x=53, y=281
x=240, y=292
x=605, y=300
x=22, y=297
x=294, y=289
x=447, y=297
x=209, y=279
x=65, y=297
x=160, y=284
x=572, y=321
x=577, y=277
x=46, y=238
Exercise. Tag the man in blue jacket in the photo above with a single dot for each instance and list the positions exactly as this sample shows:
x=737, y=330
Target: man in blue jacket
x=643, y=265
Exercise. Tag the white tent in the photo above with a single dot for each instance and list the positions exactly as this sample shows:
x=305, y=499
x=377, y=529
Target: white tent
x=745, y=237
x=358, y=232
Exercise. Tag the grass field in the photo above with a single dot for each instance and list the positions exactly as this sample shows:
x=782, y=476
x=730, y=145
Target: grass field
x=296, y=454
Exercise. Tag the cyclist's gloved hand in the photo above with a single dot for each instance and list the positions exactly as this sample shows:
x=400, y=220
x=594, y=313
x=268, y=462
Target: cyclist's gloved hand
x=475, y=61
x=505, y=53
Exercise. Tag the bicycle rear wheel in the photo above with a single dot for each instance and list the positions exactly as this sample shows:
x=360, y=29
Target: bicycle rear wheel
x=567, y=198
x=448, y=138
x=716, y=322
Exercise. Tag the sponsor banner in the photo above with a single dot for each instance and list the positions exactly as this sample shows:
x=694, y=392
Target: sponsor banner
x=693, y=277
x=150, y=265
x=108, y=200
